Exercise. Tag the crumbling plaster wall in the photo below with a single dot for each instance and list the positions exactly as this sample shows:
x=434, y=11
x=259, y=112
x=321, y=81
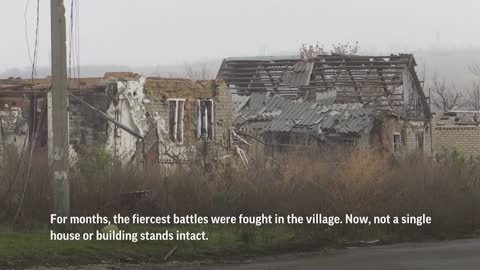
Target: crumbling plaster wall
x=381, y=137
x=127, y=108
x=412, y=129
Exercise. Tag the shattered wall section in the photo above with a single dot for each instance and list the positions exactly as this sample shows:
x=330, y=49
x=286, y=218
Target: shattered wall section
x=223, y=114
x=13, y=128
x=86, y=127
x=168, y=151
x=127, y=108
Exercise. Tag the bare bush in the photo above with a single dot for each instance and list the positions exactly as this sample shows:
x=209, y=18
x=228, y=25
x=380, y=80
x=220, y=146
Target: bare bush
x=345, y=49
x=308, y=52
x=361, y=183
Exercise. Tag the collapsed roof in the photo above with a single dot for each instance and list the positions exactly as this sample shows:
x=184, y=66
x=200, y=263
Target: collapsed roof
x=265, y=113
x=375, y=81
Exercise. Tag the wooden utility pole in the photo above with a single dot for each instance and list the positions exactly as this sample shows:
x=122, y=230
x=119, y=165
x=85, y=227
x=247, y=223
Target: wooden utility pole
x=59, y=156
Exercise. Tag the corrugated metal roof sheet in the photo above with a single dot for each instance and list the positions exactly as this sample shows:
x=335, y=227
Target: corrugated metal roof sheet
x=299, y=75
x=257, y=100
x=283, y=115
x=458, y=118
x=239, y=102
x=261, y=108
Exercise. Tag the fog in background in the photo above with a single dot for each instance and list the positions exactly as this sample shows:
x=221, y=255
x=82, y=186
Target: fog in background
x=163, y=37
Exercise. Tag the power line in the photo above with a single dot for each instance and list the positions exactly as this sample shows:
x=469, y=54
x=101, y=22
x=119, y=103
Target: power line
x=26, y=31
x=34, y=122
x=74, y=41
x=70, y=51
x=74, y=62
x=78, y=36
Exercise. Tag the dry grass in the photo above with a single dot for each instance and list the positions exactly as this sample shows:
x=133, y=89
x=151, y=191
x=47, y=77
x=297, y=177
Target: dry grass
x=359, y=183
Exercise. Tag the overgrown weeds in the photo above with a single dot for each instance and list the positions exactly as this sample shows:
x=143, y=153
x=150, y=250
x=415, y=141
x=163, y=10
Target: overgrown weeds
x=361, y=183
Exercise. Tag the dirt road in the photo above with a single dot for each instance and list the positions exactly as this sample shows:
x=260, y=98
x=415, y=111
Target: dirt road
x=458, y=255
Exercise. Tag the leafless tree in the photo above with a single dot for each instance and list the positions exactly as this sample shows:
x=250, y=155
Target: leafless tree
x=444, y=98
x=198, y=73
x=473, y=96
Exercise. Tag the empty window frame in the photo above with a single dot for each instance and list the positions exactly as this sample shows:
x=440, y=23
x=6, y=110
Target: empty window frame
x=420, y=139
x=116, y=130
x=350, y=143
x=176, y=115
x=206, y=120
x=397, y=143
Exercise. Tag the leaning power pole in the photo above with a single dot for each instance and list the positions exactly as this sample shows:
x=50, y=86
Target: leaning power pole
x=59, y=155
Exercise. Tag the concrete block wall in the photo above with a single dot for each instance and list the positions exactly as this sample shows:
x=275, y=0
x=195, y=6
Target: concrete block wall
x=464, y=139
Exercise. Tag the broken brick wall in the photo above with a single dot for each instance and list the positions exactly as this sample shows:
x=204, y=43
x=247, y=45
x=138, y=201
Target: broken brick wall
x=17, y=120
x=86, y=127
x=159, y=91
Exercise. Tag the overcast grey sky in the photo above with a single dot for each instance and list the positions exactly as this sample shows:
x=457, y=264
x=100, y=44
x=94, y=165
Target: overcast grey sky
x=166, y=32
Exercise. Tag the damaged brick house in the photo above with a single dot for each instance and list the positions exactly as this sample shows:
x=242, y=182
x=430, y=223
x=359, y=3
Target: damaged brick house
x=159, y=120
x=24, y=112
x=178, y=119
x=370, y=102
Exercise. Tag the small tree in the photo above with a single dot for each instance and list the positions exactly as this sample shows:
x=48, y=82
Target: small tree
x=444, y=98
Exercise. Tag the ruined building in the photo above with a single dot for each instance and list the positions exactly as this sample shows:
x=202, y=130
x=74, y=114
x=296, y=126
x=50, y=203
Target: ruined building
x=158, y=120
x=329, y=101
x=286, y=104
